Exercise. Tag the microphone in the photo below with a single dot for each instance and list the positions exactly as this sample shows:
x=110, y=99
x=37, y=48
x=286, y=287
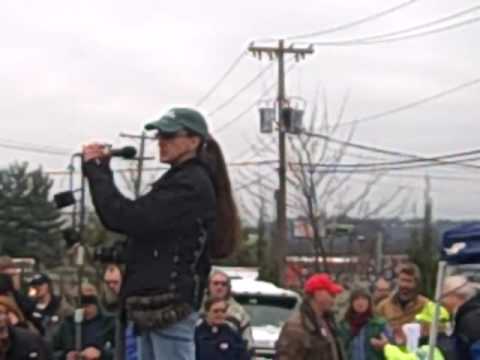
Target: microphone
x=126, y=152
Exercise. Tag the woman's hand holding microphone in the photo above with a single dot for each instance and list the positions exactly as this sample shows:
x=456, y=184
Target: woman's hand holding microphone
x=95, y=151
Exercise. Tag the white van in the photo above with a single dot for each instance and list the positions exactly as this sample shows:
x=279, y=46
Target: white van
x=269, y=307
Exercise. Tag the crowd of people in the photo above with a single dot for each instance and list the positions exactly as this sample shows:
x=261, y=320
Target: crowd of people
x=373, y=326
x=170, y=305
x=41, y=325
x=38, y=324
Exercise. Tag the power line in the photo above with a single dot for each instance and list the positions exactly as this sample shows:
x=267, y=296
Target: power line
x=367, y=167
x=406, y=162
x=413, y=187
x=222, y=78
x=410, y=105
x=246, y=111
x=272, y=163
x=33, y=145
x=127, y=170
x=429, y=32
x=398, y=175
x=349, y=153
x=350, y=168
x=338, y=168
x=379, y=150
x=465, y=156
x=347, y=168
x=251, y=106
x=240, y=91
x=435, y=177
x=247, y=185
x=384, y=38
x=424, y=25
x=354, y=23
x=34, y=149
x=414, y=103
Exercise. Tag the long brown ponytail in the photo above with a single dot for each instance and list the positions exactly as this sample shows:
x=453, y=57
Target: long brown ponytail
x=228, y=223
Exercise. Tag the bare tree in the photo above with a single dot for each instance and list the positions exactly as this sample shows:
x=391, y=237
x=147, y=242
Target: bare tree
x=317, y=192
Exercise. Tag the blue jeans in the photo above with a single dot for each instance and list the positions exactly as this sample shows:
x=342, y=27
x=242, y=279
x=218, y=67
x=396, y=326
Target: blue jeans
x=131, y=344
x=174, y=342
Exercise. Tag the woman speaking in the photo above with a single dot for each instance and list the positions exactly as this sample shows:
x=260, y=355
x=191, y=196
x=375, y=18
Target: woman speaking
x=187, y=217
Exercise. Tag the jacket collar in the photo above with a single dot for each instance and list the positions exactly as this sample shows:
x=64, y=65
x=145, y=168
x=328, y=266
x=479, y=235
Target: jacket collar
x=472, y=304
x=310, y=319
x=195, y=161
x=407, y=305
x=53, y=305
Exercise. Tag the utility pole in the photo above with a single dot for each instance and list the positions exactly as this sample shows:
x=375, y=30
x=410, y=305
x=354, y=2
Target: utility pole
x=261, y=229
x=140, y=160
x=280, y=248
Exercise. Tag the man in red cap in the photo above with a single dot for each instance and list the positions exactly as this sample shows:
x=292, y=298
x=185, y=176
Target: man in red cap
x=310, y=333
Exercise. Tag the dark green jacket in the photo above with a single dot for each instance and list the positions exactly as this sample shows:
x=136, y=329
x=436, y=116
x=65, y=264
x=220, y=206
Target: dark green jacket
x=98, y=332
x=373, y=329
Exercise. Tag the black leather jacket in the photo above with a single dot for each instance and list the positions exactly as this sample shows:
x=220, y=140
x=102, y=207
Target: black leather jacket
x=168, y=228
x=25, y=345
x=467, y=327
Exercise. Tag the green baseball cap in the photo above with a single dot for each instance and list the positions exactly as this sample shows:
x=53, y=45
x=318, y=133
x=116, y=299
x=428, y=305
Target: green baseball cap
x=180, y=118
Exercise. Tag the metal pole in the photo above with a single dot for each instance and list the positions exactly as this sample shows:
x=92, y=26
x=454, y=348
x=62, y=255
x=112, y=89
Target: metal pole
x=282, y=176
x=80, y=255
x=138, y=180
x=71, y=170
x=261, y=228
x=432, y=341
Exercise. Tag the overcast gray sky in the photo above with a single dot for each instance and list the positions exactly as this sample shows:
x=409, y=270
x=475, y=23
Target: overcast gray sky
x=73, y=72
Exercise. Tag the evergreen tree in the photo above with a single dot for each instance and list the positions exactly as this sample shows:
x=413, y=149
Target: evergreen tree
x=29, y=222
x=246, y=252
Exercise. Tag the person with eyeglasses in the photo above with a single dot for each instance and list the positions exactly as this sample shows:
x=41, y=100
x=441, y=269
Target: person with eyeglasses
x=215, y=338
x=188, y=217
x=219, y=286
x=381, y=290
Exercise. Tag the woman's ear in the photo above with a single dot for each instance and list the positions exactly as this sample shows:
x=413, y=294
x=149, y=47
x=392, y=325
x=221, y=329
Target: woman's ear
x=195, y=142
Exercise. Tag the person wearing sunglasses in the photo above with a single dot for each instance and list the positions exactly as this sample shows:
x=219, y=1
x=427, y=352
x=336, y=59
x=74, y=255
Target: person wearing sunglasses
x=215, y=338
x=219, y=286
x=187, y=217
